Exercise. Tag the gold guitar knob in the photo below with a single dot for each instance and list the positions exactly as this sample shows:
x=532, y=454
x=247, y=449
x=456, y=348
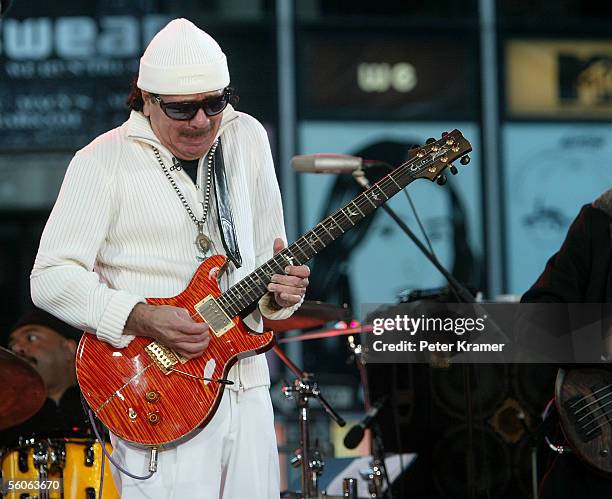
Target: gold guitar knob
x=153, y=418
x=152, y=396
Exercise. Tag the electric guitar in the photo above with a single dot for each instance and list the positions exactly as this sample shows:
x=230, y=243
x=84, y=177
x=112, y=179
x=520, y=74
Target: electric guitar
x=583, y=398
x=149, y=395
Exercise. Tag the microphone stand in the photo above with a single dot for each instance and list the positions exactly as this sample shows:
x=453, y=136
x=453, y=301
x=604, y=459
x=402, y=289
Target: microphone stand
x=379, y=468
x=377, y=471
x=464, y=296
x=305, y=387
x=458, y=288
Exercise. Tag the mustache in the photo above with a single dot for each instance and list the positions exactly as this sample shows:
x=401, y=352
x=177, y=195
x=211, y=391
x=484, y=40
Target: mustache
x=200, y=132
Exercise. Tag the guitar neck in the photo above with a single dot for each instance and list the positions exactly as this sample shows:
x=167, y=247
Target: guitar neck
x=249, y=290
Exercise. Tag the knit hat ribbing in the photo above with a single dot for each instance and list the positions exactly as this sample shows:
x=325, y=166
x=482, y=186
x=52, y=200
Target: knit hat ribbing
x=182, y=59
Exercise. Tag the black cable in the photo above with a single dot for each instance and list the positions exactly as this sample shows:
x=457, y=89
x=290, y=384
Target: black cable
x=110, y=458
x=486, y=465
x=470, y=427
x=414, y=212
x=418, y=219
x=398, y=431
x=379, y=455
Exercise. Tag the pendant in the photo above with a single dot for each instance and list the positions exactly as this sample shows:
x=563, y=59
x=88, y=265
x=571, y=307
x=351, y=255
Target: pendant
x=203, y=243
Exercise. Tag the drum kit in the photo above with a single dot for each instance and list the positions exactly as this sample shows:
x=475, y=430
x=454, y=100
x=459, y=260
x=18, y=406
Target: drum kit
x=63, y=467
x=43, y=466
x=305, y=388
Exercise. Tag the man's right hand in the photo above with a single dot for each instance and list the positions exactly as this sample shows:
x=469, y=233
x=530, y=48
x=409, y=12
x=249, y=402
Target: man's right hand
x=171, y=326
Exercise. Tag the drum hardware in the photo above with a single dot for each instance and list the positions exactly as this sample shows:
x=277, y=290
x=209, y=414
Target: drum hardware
x=349, y=488
x=22, y=459
x=303, y=389
x=328, y=333
x=89, y=455
x=374, y=477
x=40, y=458
x=310, y=314
x=62, y=467
x=296, y=459
x=57, y=454
x=377, y=472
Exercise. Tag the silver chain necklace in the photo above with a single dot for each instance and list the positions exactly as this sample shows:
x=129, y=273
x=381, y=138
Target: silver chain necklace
x=202, y=242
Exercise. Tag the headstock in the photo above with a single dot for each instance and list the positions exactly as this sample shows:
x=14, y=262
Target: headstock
x=435, y=156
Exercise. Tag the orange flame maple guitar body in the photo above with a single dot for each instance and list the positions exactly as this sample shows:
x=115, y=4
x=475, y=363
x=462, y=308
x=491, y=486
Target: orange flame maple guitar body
x=141, y=403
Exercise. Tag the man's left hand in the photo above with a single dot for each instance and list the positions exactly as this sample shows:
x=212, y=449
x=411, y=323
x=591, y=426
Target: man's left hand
x=288, y=288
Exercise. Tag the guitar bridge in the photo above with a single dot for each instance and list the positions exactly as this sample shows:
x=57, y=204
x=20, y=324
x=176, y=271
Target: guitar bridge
x=216, y=318
x=165, y=359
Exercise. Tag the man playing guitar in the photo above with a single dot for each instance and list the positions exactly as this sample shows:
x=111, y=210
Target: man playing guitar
x=184, y=178
x=579, y=272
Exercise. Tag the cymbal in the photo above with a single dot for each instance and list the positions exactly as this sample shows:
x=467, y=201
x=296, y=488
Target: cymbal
x=328, y=333
x=310, y=314
x=22, y=392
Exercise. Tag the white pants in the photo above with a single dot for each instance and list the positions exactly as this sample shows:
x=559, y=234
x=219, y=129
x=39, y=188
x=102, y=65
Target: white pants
x=233, y=457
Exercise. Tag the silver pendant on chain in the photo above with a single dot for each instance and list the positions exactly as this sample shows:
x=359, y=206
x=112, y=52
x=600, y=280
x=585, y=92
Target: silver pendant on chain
x=203, y=243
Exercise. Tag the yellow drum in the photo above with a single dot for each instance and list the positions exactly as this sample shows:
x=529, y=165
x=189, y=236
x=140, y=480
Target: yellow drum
x=46, y=467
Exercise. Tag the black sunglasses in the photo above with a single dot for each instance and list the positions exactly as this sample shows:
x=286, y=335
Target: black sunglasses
x=186, y=110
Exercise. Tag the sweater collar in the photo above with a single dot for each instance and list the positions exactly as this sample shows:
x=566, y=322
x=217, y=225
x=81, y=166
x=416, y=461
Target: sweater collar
x=139, y=128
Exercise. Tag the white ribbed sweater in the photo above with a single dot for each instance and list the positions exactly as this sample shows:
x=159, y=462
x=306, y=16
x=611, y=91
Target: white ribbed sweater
x=119, y=233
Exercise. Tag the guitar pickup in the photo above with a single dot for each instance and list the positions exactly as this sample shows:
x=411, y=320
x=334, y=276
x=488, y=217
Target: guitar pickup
x=216, y=318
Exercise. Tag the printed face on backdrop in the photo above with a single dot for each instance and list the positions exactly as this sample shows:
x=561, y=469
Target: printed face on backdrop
x=386, y=262
x=552, y=185
x=551, y=171
x=401, y=266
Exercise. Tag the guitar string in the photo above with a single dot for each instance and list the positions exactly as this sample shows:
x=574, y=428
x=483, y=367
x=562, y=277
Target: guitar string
x=363, y=201
x=595, y=401
x=601, y=407
x=381, y=184
x=233, y=301
x=604, y=414
x=596, y=417
x=608, y=413
x=586, y=396
x=359, y=202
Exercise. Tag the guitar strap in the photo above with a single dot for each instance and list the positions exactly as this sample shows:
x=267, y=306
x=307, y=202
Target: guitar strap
x=224, y=210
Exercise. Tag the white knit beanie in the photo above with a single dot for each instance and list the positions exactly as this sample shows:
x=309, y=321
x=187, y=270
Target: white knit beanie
x=182, y=59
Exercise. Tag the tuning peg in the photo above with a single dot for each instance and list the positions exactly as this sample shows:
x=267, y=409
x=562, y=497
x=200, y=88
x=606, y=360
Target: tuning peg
x=465, y=160
x=441, y=179
x=453, y=169
x=430, y=140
